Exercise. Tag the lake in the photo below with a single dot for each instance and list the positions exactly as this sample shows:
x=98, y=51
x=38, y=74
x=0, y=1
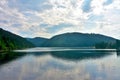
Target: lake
x=60, y=63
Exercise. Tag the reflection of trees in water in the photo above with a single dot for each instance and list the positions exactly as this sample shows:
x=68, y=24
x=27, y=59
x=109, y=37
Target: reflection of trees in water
x=67, y=55
x=9, y=56
x=79, y=55
x=118, y=52
x=37, y=54
x=74, y=55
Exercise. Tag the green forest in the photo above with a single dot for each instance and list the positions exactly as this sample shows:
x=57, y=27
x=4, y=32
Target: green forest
x=10, y=41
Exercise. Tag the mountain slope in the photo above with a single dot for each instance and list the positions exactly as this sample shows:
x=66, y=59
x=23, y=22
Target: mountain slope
x=37, y=41
x=78, y=40
x=118, y=44
x=9, y=41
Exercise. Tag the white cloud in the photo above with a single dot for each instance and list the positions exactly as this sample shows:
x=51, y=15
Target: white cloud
x=97, y=6
x=26, y=19
x=63, y=12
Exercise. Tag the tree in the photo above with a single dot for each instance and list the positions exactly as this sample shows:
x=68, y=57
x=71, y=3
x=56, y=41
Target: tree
x=104, y=45
x=118, y=44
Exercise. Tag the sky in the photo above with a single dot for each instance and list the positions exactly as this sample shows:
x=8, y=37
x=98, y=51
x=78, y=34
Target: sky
x=46, y=18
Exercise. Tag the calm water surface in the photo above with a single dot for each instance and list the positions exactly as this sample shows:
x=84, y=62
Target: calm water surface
x=60, y=64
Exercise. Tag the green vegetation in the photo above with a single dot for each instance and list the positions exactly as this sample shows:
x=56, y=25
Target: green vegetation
x=105, y=45
x=10, y=41
x=118, y=44
x=81, y=40
x=37, y=41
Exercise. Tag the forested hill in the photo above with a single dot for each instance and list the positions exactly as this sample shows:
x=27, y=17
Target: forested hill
x=9, y=41
x=118, y=44
x=37, y=41
x=81, y=40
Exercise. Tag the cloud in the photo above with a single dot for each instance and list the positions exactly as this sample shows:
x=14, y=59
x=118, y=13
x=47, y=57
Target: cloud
x=49, y=17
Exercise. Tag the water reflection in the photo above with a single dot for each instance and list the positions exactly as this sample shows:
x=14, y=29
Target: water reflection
x=66, y=55
x=60, y=65
x=79, y=55
x=118, y=53
x=9, y=56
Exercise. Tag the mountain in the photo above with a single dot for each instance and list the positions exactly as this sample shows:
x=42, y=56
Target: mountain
x=81, y=40
x=9, y=41
x=37, y=41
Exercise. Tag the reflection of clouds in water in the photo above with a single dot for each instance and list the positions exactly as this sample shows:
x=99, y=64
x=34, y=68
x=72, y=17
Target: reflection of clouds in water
x=48, y=68
x=56, y=74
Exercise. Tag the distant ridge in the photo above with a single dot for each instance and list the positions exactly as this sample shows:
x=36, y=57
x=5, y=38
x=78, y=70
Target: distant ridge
x=37, y=41
x=10, y=41
x=81, y=40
